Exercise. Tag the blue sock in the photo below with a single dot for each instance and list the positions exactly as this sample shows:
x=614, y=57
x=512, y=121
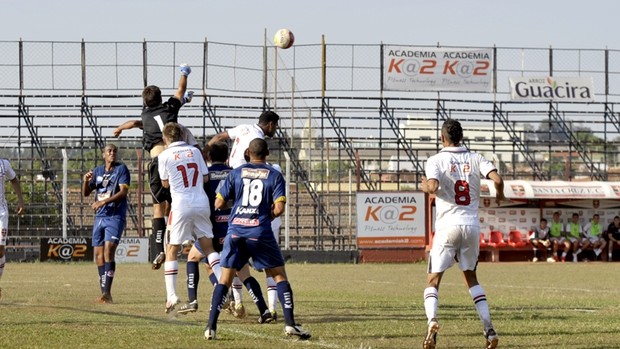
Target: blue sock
x=110, y=268
x=285, y=295
x=193, y=276
x=256, y=293
x=217, y=302
x=101, y=270
x=213, y=279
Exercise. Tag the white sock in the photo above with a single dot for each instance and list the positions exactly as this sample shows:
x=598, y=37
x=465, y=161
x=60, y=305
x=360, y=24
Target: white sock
x=482, y=307
x=578, y=251
x=237, y=289
x=431, y=299
x=272, y=294
x=597, y=251
x=2, y=264
x=171, y=271
x=214, y=262
x=564, y=254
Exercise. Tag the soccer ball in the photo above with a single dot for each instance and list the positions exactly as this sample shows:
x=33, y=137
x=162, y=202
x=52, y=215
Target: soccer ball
x=284, y=38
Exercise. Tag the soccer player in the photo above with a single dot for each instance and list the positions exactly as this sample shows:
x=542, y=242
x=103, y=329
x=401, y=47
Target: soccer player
x=110, y=182
x=540, y=237
x=217, y=155
x=453, y=176
x=241, y=136
x=183, y=170
x=613, y=235
x=6, y=172
x=154, y=116
x=556, y=236
x=593, y=236
x=258, y=193
x=574, y=234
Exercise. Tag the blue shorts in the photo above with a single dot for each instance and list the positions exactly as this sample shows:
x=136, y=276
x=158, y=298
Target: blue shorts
x=264, y=251
x=107, y=229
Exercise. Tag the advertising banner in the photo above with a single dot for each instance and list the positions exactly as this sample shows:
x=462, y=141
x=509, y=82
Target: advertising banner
x=390, y=219
x=437, y=69
x=65, y=250
x=552, y=88
x=132, y=250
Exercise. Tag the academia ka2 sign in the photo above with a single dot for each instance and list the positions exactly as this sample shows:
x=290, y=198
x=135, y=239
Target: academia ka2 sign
x=390, y=219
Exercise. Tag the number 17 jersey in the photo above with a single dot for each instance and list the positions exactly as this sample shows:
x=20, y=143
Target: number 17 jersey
x=458, y=172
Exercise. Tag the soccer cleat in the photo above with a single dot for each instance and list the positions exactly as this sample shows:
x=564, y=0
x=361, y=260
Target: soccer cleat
x=170, y=305
x=535, y=259
x=188, y=308
x=105, y=298
x=551, y=260
x=239, y=311
x=209, y=334
x=158, y=261
x=575, y=258
x=274, y=315
x=298, y=331
x=266, y=318
x=492, y=339
x=229, y=306
x=431, y=335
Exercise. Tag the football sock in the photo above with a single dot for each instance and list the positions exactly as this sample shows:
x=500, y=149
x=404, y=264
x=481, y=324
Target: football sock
x=171, y=271
x=272, y=294
x=217, y=303
x=237, y=289
x=256, y=293
x=214, y=263
x=110, y=268
x=193, y=277
x=159, y=227
x=213, y=279
x=285, y=294
x=431, y=299
x=482, y=307
x=101, y=270
x=578, y=251
x=549, y=252
x=2, y=264
x=535, y=252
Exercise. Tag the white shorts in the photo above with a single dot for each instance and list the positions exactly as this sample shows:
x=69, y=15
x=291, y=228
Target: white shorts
x=456, y=243
x=593, y=240
x=4, y=226
x=188, y=222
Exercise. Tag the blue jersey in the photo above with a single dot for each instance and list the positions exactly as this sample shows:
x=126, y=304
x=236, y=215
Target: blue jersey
x=106, y=184
x=219, y=218
x=254, y=189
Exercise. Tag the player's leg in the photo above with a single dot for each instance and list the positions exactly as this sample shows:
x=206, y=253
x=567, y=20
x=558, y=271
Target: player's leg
x=576, y=248
x=98, y=249
x=180, y=230
x=161, y=199
x=534, y=244
x=4, y=223
x=567, y=245
x=272, y=290
x=113, y=232
x=193, y=280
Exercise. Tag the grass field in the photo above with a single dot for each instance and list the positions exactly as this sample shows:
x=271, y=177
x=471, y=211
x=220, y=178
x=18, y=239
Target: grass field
x=345, y=306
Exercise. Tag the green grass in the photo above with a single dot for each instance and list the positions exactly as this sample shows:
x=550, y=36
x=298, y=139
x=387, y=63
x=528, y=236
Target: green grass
x=345, y=306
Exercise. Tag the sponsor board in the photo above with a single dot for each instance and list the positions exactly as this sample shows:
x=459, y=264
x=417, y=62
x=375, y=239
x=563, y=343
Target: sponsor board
x=552, y=88
x=66, y=249
x=409, y=68
x=132, y=250
x=390, y=219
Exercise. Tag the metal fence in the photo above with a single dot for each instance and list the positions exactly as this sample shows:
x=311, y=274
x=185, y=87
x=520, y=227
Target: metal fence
x=340, y=131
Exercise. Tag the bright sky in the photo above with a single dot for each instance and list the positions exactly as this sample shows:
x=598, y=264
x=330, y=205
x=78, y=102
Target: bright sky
x=524, y=23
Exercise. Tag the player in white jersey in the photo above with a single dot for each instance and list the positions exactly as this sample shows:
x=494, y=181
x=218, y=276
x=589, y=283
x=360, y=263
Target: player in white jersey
x=6, y=172
x=183, y=170
x=241, y=136
x=453, y=176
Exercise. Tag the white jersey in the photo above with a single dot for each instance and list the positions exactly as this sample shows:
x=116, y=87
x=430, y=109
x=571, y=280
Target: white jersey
x=458, y=171
x=184, y=168
x=242, y=135
x=6, y=173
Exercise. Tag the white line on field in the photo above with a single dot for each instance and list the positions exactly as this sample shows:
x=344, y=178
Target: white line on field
x=310, y=342
x=588, y=290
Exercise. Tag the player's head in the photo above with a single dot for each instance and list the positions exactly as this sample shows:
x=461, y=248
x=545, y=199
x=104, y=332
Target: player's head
x=556, y=216
x=452, y=132
x=172, y=133
x=109, y=153
x=617, y=220
x=258, y=149
x=596, y=217
x=151, y=95
x=218, y=152
x=543, y=222
x=268, y=122
x=575, y=217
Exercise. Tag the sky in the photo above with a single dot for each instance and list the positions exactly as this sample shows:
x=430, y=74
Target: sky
x=524, y=23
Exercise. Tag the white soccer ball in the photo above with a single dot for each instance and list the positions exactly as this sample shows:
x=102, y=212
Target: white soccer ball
x=284, y=38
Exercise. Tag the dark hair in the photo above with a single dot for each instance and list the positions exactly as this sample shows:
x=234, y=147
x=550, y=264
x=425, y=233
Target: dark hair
x=543, y=220
x=218, y=152
x=151, y=95
x=453, y=131
x=267, y=117
x=575, y=214
x=258, y=148
x=556, y=212
x=173, y=132
x=596, y=215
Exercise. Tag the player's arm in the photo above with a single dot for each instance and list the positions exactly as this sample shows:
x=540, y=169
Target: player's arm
x=86, y=189
x=429, y=186
x=127, y=125
x=18, y=191
x=185, y=71
x=278, y=209
x=498, y=182
x=220, y=137
x=220, y=202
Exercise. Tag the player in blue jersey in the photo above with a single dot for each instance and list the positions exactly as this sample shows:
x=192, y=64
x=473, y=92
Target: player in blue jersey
x=111, y=184
x=258, y=194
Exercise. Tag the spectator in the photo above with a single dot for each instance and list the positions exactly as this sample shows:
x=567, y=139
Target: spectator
x=593, y=236
x=539, y=237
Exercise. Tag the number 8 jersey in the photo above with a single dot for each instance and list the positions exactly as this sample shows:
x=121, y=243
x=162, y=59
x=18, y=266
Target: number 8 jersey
x=254, y=189
x=458, y=172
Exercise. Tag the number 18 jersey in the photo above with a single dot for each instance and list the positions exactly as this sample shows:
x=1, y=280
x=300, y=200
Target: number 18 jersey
x=458, y=172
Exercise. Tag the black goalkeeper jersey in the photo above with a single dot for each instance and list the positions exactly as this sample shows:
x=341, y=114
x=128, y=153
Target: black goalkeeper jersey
x=154, y=119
